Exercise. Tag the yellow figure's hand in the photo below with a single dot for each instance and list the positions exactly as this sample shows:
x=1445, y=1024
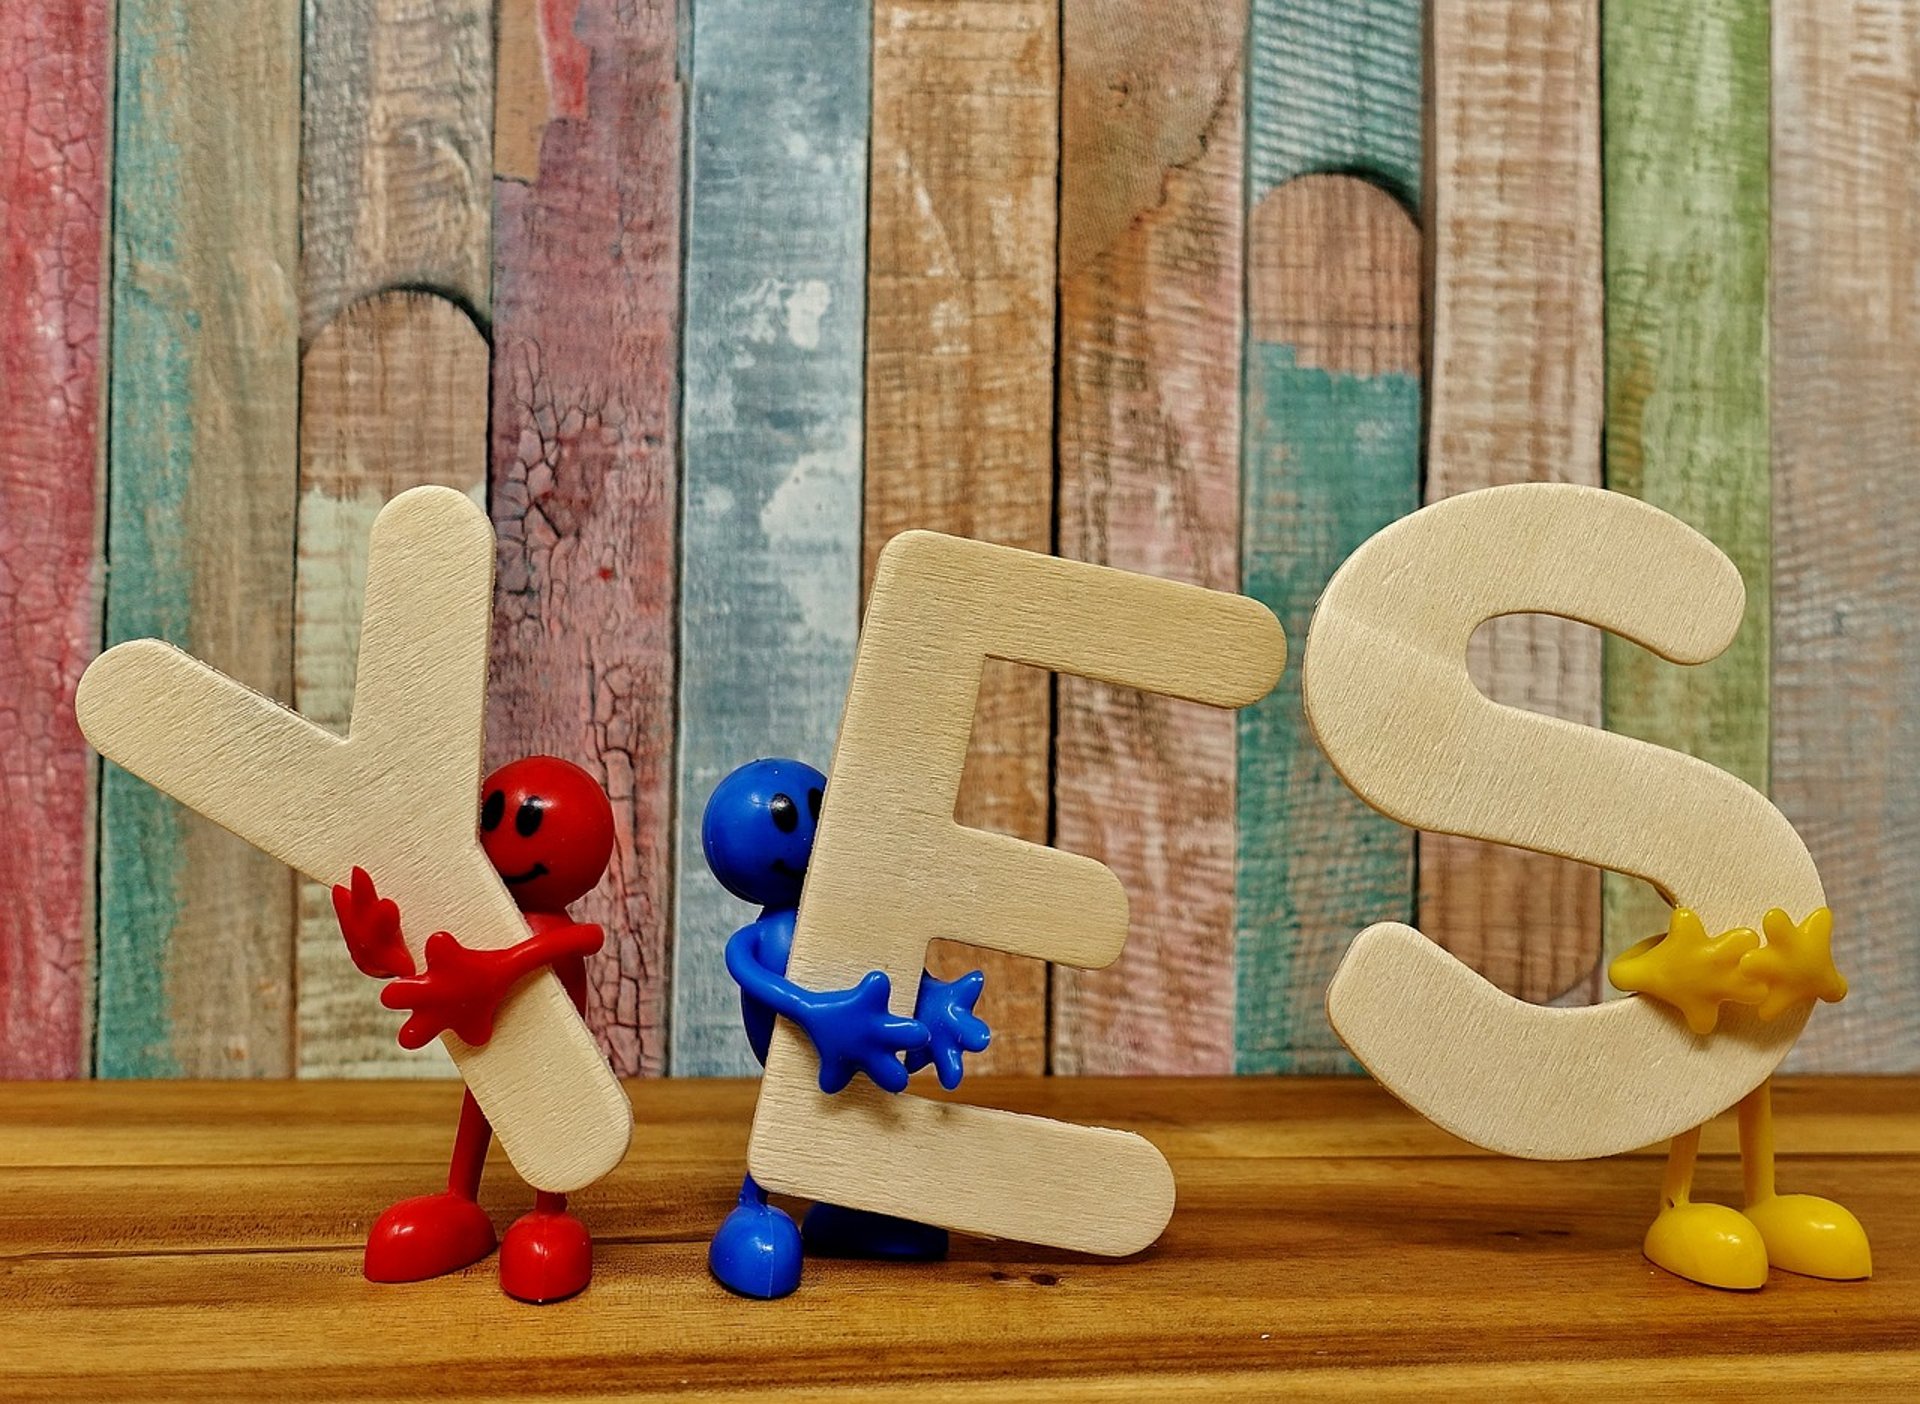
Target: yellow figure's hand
x=1694, y=972
x=1796, y=963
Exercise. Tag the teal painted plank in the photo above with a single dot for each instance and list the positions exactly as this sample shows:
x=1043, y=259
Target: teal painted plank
x=1330, y=453
x=196, y=927
x=1686, y=168
x=770, y=567
x=1334, y=85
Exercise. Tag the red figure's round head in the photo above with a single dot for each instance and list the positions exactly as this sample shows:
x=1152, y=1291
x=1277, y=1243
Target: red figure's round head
x=547, y=828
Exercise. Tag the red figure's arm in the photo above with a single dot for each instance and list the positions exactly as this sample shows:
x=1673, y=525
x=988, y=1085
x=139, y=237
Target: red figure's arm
x=371, y=925
x=462, y=988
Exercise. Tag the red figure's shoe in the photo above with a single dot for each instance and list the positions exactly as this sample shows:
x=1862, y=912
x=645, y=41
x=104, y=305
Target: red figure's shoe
x=427, y=1236
x=547, y=1256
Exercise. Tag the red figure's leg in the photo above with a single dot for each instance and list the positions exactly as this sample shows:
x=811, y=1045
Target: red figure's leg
x=438, y=1233
x=548, y=1254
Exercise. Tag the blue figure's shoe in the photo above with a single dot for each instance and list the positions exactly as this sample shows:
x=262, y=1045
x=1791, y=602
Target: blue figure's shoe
x=757, y=1251
x=833, y=1232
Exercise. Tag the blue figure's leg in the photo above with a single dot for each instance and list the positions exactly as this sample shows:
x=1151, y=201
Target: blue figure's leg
x=757, y=1251
x=833, y=1232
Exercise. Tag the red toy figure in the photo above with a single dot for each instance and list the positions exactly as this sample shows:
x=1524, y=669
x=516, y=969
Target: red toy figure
x=547, y=828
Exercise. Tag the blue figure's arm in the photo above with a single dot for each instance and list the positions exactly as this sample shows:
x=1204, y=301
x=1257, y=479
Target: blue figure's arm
x=852, y=1030
x=945, y=1007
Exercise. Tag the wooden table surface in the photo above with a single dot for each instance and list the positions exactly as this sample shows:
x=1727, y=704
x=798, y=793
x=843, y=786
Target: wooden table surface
x=202, y=1241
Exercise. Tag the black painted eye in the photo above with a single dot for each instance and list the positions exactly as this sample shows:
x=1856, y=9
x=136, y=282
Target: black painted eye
x=813, y=803
x=786, y=818
x=527, y=818
x=493, y=811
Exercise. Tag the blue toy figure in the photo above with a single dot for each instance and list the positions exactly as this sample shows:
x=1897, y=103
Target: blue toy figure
x=758, y=837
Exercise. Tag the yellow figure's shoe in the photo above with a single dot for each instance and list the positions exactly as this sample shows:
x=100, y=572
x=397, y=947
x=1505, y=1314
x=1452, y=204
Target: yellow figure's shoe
x=1812, y=1236
x=1709, y=1244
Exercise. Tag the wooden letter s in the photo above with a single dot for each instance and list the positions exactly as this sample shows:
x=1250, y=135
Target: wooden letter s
x=1388, y=697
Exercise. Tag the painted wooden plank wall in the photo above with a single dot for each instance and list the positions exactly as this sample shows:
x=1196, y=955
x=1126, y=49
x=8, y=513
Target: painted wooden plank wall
x=56, y=85
x=1331, y=453
x=396, y=151
x=196, y=928
x=396, y=190
x=393, y=395
x=1149, y=479
x=584, y=487
x=1516, y=395
x=960, y=317
x=774, y=331
x=1686, y=171
x=1846, y=507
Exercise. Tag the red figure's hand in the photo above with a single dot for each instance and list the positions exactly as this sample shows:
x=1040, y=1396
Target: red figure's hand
x=462, y=988
x=371, y=925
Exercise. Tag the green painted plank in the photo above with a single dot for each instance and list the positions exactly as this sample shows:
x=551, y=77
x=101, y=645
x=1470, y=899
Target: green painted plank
x=1685, y=151
x=196, y=927
x=1330, y=452
x=771, y=418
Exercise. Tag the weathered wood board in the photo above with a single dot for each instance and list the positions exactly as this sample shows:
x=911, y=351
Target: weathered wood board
x=1331, y=453
x=584, y=491
x=960, y=366
x=393, y=394
x=56, y=82
x=771, y=426
x=396, y=152
x=1846, y=508
x=196, y=928
x=1516, y=395
x=1686, y=163
x=1150, y=289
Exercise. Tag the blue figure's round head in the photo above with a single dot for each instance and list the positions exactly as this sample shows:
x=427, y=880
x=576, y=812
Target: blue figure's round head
x=758, y=830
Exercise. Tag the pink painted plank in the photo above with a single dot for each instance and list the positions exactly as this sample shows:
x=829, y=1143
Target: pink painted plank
x=586, y=298
x=55, y=76
x=1149, y=437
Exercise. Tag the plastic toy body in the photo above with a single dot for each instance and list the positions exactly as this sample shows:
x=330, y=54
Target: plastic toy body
x=1696, y=974
x=548, y=830
x=758, y=838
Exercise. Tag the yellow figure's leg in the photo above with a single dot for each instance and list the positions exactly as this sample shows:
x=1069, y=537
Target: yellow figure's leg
x=1705, y=1243
x=1804, y=1233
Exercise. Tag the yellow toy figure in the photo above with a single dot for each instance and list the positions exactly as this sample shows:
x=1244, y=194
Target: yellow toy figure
x=1696, y=974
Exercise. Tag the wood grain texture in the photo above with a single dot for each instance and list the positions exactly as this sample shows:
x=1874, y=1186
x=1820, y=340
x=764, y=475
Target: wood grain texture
x=1846, y=417
x=960, y=369
x=771, y=422
x=396, y=154
x=195, y=1242
x=393, y=394
x=56, y=84
x=196, y=928
x=586, y=306
x=395, y=798
x=1150, y=283
x=1391, y=702
x=891, y=869
x=1332, y=455
x=1516, y=395
x=1686, y=162
x=1334, y=85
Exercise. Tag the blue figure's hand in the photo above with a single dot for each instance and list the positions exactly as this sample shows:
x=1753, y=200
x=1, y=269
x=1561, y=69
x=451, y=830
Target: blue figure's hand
x=945, y=1007
x=853, y=1031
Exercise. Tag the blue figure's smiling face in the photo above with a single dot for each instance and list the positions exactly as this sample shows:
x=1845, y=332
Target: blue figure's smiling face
x=758, y=830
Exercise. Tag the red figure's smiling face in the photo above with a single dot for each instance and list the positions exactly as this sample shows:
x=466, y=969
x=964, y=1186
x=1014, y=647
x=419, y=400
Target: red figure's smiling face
x=547, y=828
